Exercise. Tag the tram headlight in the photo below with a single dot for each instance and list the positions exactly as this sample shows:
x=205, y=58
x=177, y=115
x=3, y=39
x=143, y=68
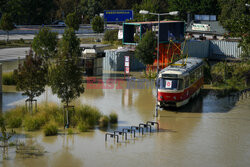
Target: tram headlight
x=175, y=97
x=161, y=97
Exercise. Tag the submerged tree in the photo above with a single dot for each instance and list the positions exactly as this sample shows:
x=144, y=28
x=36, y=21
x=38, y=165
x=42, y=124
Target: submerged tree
x=145, y=50
x=30, y=77
x=6, y=24
x=44, y=43
x=65, y=75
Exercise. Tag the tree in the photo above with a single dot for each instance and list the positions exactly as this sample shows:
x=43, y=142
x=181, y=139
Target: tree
x=145, y=50
x=65, y=75
x=73, y=21
x=235, y=17
x=44, y=43
x=30, y=77
x=194, y=7
x=6, y=24
x=98, y=24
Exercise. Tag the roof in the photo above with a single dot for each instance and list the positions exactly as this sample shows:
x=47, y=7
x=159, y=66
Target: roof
x=192, y=63
x=215, y=27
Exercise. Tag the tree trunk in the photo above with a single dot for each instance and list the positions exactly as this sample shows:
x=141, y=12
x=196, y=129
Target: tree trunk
x=7, y=40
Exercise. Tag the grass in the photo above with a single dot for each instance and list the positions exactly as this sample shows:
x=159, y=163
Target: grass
x=8, y=78
x=50, y=117
x=104, y=121
x=113, y=118
x=51, y=129
x=15, y=43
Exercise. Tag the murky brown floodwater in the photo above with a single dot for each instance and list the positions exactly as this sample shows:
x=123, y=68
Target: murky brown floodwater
x=210, y=131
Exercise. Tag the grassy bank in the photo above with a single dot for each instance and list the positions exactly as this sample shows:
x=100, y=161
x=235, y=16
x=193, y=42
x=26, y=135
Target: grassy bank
x=50, y=118
x=15, y=43
x=8, y=78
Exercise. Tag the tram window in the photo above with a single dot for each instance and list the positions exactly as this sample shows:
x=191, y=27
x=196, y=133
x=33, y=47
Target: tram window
x=180, y=84
x=186, y=82
x=192, y=77
x=171, y=84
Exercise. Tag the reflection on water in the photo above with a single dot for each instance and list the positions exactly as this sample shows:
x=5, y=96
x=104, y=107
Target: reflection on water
x=209, y=131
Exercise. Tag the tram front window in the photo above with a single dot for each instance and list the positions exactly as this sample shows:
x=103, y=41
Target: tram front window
x=171, y=84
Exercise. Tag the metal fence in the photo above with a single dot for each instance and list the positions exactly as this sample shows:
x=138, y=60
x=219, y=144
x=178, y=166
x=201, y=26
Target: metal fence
x=212, y=49
x=114, y=60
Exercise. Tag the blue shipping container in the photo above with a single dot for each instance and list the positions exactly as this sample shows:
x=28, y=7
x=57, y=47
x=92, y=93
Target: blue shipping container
x=118, y=15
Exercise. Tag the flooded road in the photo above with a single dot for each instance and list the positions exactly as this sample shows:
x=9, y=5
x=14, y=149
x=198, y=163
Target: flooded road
x=210, y=131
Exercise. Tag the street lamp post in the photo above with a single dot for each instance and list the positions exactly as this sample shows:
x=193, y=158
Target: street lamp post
x=144, y=12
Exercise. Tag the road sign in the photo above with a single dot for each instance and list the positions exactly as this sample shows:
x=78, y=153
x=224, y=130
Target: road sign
x=127, y=70
x=118, y=15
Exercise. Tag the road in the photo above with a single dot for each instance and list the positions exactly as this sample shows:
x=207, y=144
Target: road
x=10, y=54
x=31, y=36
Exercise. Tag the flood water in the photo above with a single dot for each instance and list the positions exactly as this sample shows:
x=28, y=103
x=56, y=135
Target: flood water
x=210, y=131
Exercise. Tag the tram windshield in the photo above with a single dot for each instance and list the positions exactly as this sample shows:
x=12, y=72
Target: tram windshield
x=171, y=84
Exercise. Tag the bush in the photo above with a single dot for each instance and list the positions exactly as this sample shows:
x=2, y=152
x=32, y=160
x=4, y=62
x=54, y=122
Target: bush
x=8, y=79
x=113, y=118
x=104, y=121
x=87, y=114
x=111, y=35
x=83, y=127
x=15, y=122
x=14, y=117
x=70, y=131
x=50, y=130
x=32, y=123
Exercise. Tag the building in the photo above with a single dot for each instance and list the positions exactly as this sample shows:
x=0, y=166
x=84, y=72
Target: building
x=205, y=27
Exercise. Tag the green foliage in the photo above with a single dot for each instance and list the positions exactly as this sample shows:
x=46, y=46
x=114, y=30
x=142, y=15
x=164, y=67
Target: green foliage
x=113, y=118
x=194, y=7
x=50, y=129
x=150, y=74
x=87, y=114
x=65, y=75
x=73, y=21
x=8, y=78
x=98, y=24
x=145, y=50
x=15, y=122
x=6, y=24
x=83, y=127
x=30, y=76
x=70, y=131
x=4, y=135
x=235, y=17
x=111, y=36
x=104, y=122
x=230, y=75
x=44, y=43
x=32, y=123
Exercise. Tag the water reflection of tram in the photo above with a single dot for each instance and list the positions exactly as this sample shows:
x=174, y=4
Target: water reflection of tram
x=179, y=82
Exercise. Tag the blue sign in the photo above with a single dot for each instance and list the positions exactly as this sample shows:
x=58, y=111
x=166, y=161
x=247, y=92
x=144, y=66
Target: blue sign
x=118, y=15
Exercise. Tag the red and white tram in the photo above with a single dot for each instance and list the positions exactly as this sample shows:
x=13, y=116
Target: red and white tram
x=179, y=82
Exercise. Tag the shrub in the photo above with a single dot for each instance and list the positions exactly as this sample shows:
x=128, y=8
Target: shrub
x=113, y=118
x=50, y=130
x=14, y=117
x=32, y=123
x=111, y=35
x=15, y=122
x=83, y=127
x=8, y=78
x=87, y=114
x=70, y=131
x=104, y=121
